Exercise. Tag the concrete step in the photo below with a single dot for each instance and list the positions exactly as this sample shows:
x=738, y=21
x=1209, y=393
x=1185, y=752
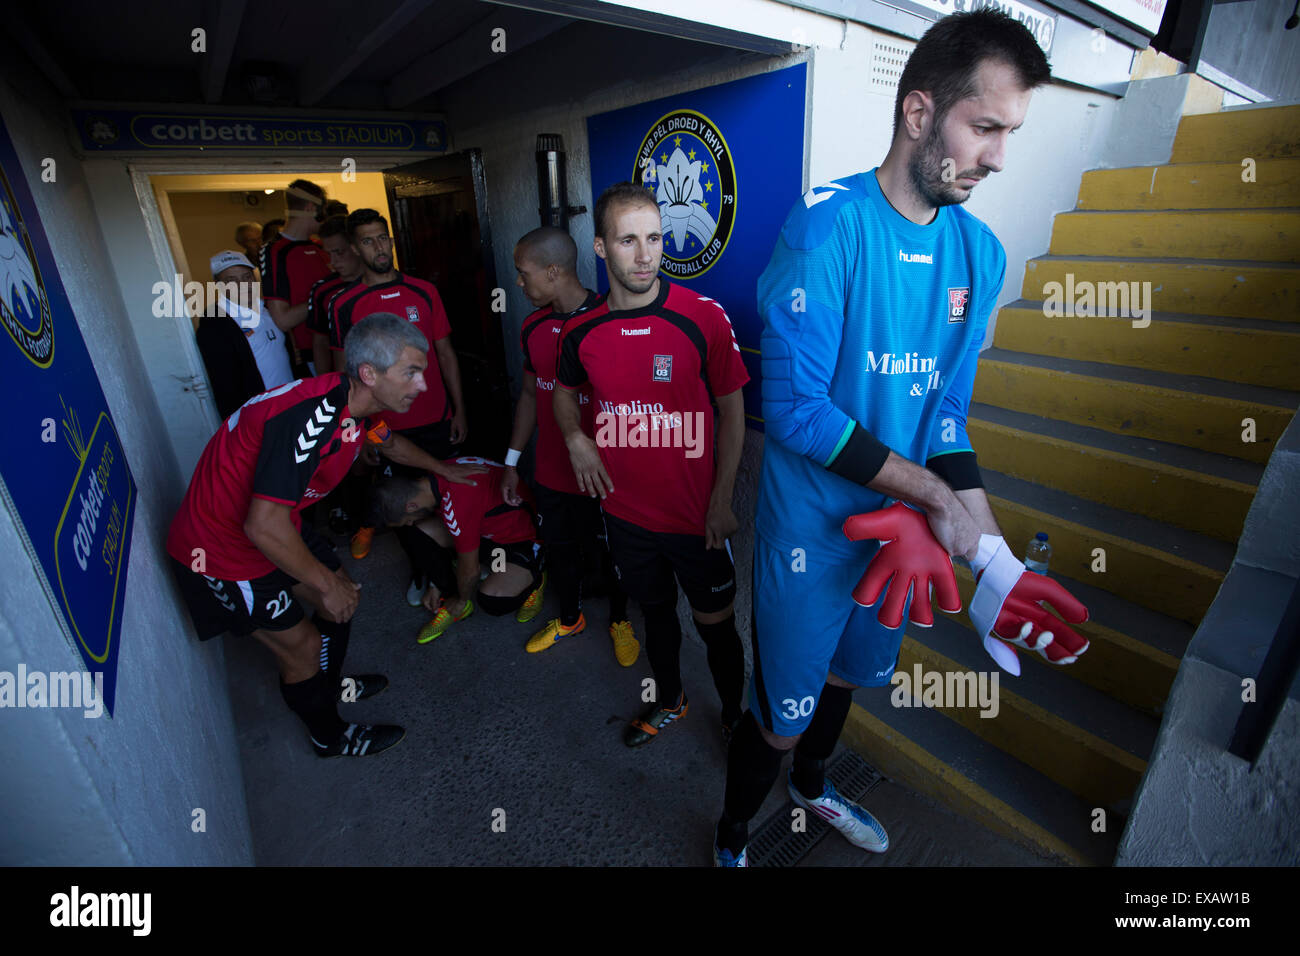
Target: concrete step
x=1265, y=235
x=1266, y=184
x=1169, y=570
x=1196, y=412
x=1252, y=290
x=1230, y=136
x=1133, y=652
x=922, y=749
x=1076, y=736
x=1250, y=351
x=1187, y=488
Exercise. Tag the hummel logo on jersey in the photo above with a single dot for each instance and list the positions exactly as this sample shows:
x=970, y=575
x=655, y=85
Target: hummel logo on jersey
x=957, y=299
x=449, y=515
x=812, y=197
x=915, y=257
x=645, y=331
x=556, y=329
x=312, y=429
x=663, y=369
x=389, y=295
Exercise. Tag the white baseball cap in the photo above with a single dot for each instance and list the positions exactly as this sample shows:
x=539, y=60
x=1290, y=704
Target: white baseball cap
x=224, y=260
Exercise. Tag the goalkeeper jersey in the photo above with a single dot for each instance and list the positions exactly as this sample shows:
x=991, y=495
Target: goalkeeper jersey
x=868, y=319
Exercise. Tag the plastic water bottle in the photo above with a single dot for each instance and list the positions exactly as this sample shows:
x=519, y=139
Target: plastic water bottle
x=1038, y=553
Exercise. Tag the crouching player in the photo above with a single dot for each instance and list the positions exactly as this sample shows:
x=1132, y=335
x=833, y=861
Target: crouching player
x=464, y=525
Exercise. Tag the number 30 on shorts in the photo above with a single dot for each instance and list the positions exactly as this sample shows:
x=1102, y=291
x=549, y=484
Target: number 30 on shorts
x=793, y=709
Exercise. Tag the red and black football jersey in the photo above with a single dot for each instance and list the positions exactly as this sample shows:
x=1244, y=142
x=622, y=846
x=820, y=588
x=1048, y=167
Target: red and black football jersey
x=478, y=512
x=540, y=339
x=416, y=301
x=654, y=372
x=291, y=445
x=290, y=267
x=318, y=300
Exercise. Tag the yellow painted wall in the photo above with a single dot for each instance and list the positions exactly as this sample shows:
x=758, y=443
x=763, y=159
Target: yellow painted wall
x=206, y=216
x=207, y=220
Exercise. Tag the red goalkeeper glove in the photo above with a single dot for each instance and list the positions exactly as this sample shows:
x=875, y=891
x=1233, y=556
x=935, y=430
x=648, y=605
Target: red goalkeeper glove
x=1007, y=605
x=909, y=557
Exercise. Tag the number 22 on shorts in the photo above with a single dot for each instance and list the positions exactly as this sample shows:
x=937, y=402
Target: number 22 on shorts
x=278, y=605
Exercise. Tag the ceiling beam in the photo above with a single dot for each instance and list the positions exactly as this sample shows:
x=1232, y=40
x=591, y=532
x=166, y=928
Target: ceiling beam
x=321, y=75
x=755, y=26
x=225, y=17
x=36, y=51
x=468, y=53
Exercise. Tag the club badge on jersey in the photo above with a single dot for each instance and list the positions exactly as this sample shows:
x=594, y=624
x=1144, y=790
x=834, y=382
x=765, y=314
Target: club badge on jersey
x=957, y=300
x=663, y=369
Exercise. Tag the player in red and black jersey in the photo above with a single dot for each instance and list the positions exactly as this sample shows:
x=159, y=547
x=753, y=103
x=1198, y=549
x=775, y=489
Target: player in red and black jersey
x=290, y=266
x=241, y=554
x=657, y=357
x=469, y=523
x=436, y=422
x=546, y=260
x=346, y=268
x=347, y=502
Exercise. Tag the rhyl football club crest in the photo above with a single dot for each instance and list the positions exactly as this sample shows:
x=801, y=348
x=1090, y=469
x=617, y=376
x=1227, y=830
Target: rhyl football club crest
x=957, y=300
x=688, y=164
x=24, y=307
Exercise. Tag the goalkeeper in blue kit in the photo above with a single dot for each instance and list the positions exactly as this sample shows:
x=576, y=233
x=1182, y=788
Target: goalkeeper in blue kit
x=875, y=305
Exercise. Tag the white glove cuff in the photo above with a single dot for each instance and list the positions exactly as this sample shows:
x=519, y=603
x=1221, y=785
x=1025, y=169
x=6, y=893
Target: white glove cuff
x=998, y=571
x=512, y=457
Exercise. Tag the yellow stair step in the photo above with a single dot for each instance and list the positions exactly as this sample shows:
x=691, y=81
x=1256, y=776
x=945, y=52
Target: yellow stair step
x=1250, y=290
x=1101, y=467
x=1003, y=805
x=1129, y=401
x=1117, y=664
x=1092, y=768
x=1168, y=570
x=1263, y=184
x=1232, y=135
x=1271, y=235
x=1253, y=353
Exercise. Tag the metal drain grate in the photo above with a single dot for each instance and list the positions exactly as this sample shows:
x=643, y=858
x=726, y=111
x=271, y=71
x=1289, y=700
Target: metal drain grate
x=775, y=844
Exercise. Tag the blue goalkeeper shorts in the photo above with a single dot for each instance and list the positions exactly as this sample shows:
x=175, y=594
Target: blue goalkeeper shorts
x=805, y=624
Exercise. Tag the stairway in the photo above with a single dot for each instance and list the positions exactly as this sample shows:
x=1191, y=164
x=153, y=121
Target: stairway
x=1124, y=441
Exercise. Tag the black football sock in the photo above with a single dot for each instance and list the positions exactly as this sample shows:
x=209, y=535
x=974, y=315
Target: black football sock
x=313, y=701
x=663, y=647
x=617, y=601
x=726, y=664
x=564, y=567
x=334, y=637
x=613, y=586
x=752, y=767
x=818, y=741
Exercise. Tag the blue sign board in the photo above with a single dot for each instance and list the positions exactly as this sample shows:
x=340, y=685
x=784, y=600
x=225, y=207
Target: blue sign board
x=726, y=165
x=137, y=131
x=65, y=475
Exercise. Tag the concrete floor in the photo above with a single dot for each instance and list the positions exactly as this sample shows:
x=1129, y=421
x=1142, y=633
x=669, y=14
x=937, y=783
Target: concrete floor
x=531, y=741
